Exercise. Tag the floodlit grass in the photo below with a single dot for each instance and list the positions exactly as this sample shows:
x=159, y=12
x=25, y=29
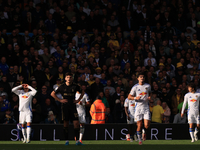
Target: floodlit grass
x=102, y=145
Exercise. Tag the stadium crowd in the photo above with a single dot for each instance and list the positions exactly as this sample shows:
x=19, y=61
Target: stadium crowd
x=104, y=44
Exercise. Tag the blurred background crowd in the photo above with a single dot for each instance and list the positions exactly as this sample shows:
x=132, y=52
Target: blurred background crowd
x=104, y=44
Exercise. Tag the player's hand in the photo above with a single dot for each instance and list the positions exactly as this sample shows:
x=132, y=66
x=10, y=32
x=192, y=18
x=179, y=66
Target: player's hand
x=137, y=98
x=64, y=101
x=80, y=103
x=182, y=115
x=129, y=118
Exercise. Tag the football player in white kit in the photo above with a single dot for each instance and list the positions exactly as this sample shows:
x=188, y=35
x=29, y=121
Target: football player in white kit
x=130, y=112
x=80, y=106
x=25, y=108
x=141, y=94
x=192, y=98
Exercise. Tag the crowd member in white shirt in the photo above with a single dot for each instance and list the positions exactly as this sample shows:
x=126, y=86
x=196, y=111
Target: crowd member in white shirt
x=153, y=60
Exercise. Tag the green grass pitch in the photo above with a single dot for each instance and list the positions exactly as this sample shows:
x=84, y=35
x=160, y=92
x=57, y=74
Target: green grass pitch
x=102, y=145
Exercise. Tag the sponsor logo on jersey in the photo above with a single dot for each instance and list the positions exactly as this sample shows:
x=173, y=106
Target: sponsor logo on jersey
x=24, y=96
x=133, y=105
x=143, y=93
x=193, y=100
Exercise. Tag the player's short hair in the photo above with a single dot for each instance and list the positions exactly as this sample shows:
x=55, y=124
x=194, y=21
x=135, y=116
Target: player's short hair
x=140, y=74
x=191, y=84
x=68, y=74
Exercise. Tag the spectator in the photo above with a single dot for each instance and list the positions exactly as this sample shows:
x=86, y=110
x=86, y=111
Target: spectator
x=157, y=113
x=179, y=119
x=8, y=117
x=51, y=118
x=97, y=112
x=36, y=109
x=50, y=24
x=167, y=112
x=3, y=66
x=176, y=99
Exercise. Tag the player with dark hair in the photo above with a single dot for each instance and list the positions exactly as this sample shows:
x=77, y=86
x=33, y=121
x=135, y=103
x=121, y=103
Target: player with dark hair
x=192, y=98
x=140, y=93
x=69, y=112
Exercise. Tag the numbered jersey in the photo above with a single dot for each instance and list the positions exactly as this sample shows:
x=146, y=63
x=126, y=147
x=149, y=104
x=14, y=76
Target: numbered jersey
x=193, y=103
x=143, y=91
x=85, y=99
x=131, y=106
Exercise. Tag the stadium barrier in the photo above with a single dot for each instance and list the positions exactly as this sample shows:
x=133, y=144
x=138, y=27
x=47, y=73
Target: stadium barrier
x=43, y=132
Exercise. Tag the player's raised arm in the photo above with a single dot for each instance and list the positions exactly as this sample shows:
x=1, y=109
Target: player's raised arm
x=184, y=105
x=16, y=89
x=33, y=91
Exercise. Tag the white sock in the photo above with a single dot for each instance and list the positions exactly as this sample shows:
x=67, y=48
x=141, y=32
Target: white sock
x=28, y=132
x=24, y=132
x=191, y=130
x=196, y=130
x=82, y=130
x=139, y=135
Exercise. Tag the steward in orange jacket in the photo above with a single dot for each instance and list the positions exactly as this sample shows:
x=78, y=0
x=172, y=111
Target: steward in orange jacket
x=98, y=112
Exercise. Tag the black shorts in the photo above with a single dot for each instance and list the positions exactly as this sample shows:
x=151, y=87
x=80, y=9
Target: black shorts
x=69, y=113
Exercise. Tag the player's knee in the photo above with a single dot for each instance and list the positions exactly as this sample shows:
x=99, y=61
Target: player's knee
x=146, y=126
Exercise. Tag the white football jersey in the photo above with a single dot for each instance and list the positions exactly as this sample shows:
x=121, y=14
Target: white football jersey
x=131, y=106
x=143, y=91
x=25, y=98
x=81, y=108
x=193, y=103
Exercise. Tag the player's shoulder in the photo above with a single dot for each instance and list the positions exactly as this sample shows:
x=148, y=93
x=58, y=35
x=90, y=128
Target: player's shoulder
x=146, y=84
x=188, y=94
x=135, y=85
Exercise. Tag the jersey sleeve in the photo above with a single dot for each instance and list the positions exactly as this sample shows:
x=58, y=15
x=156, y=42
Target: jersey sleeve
x=58, y=89
x=133, y=91
x=126, y=103
x=184, y=104
x=15, y=90
x=33, y=91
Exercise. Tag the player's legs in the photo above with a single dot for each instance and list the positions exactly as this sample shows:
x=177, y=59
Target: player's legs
x=191, y=130
x=66, y=130
x=22, y=122
x=65, y=118
x=139, y=128
x=28, y=134
x=28, y=120
x=146, y=126
x=197, y=128
x=82, y=130
x=76, y=129
x=24, y=132
x=138, y=118
x=82, y=121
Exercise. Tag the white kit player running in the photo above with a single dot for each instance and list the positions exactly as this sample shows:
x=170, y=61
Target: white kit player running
x=192, y=98
x=140, y=93
x=130, y=113
x=85, y=101
x=25, y=108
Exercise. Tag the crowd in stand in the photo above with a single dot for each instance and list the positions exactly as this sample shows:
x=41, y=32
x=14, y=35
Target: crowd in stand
x=104, y=44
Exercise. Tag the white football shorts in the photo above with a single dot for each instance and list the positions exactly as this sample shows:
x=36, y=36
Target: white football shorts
x=194, y=118
x=142, y=114
x=81, y=118
x=25, y=117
